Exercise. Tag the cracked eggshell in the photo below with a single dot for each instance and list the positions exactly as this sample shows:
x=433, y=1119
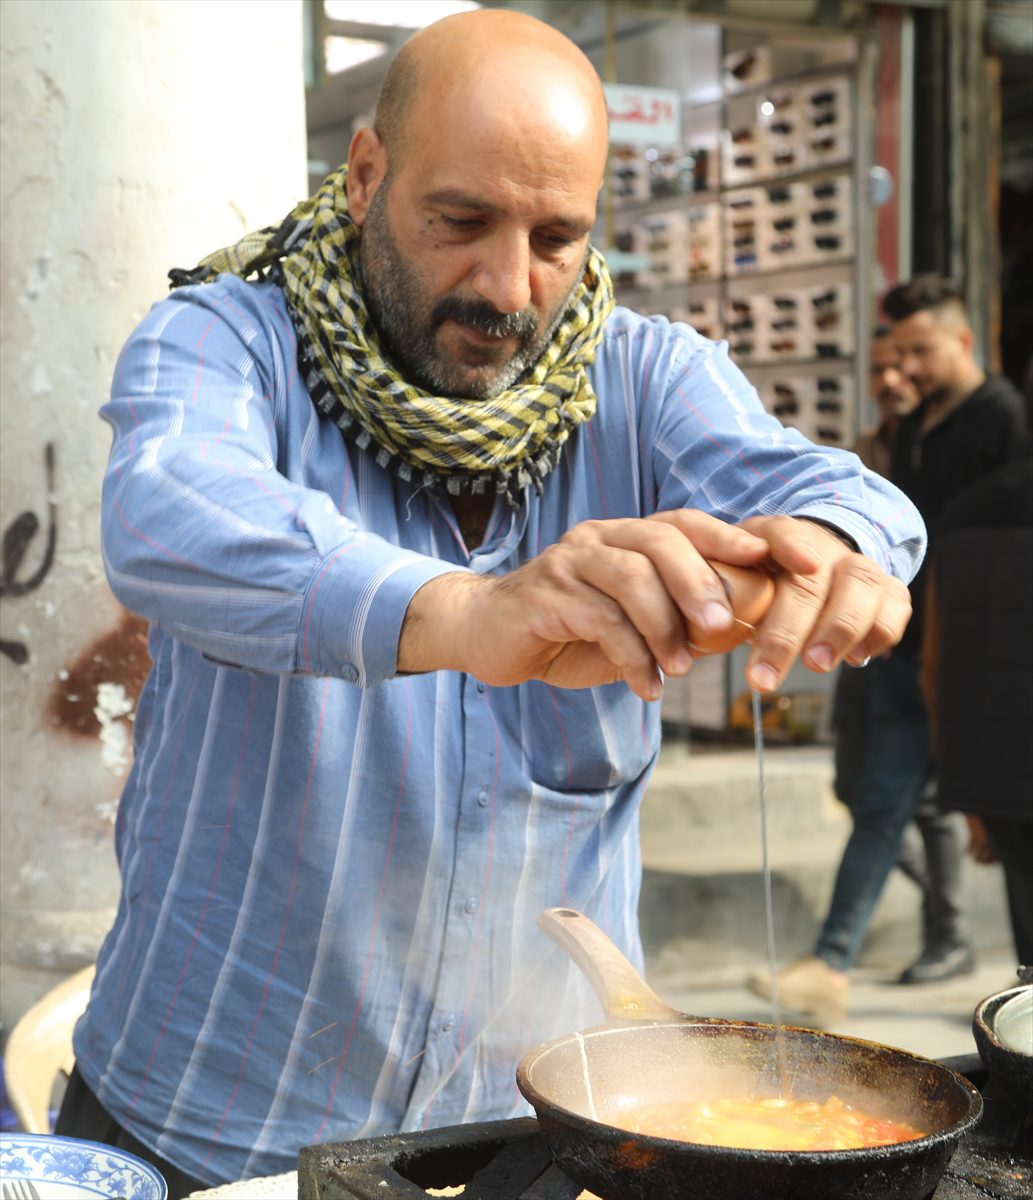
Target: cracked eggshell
x=750, y=591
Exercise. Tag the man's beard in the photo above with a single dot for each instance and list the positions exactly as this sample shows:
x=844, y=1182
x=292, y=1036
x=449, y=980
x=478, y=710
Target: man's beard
x=408, y=322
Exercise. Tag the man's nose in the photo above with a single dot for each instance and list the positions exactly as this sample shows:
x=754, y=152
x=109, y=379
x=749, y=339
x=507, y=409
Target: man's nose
x=503, y=276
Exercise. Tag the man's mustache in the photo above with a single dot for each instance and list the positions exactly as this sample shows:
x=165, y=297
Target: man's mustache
x=485, y=318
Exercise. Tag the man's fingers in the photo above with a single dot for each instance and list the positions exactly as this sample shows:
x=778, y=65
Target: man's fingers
x=793, y=614
x=851, y=614
x=642, y=595
x=714, y=538
x=677, y=545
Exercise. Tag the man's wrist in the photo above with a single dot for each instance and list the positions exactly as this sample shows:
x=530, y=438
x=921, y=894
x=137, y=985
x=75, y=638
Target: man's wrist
x=435, y=627
x=836, y=532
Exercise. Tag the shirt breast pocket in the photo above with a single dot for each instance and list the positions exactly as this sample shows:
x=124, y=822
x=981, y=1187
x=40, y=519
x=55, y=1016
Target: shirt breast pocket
x=586, y=739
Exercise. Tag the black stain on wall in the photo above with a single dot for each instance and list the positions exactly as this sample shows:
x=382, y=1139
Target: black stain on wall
x=16, y=541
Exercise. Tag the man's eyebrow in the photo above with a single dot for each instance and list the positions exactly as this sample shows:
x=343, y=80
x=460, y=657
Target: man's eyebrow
x=458, y=199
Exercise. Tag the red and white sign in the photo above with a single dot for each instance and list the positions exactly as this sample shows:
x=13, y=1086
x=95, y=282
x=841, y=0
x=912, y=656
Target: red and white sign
x=643, y=115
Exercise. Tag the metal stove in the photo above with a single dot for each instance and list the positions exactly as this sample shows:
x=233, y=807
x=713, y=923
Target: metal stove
x=508, y=1160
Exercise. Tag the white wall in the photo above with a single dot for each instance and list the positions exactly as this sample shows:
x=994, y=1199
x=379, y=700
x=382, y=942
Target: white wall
x=136, y=135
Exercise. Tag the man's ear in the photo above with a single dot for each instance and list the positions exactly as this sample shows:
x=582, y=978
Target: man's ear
x=367, y=167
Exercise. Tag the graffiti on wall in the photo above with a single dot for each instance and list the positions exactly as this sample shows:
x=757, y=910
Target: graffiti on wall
x=17, y=539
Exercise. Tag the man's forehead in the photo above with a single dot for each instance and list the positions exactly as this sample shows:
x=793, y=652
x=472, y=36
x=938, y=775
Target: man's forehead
x=885, y=352
x=921, y=326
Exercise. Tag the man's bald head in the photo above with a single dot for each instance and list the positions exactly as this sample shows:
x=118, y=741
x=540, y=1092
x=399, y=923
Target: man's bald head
x=477, y=63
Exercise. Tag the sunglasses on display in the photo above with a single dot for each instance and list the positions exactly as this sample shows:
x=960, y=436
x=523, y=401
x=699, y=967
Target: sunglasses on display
x=784, y=323
x=819, y=99
x=828, y=319
x=829, y=385
x=779, y=100
x=827, y=434
x=823, y=191
x=779, y=195
x=741, y=202
x=784, y=302
x=746, y=240
x=741, y=306
x=827, y=118
x=785, y=408
x=744, y=134
x=742, y=349
x=823, y=216
x=784, y=223
x=828, y=349
x=782, y=127
x=745, y=260
x=833, y=407
x=828, y=243
x=744, y=161
x=784, y=157
x=824, y=300
x=741, y=326
x=783, y=346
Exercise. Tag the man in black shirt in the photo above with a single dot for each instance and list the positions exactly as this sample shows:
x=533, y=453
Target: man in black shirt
x=965, y=426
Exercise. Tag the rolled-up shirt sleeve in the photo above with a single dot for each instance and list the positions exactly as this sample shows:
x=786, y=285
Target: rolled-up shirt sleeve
x=716, y=448
x=203, y=531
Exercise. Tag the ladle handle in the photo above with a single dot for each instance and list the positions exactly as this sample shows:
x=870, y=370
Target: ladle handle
x=621, y=989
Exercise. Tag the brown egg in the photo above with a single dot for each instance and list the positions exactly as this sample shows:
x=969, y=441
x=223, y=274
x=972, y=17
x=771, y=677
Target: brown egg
x=750, y=591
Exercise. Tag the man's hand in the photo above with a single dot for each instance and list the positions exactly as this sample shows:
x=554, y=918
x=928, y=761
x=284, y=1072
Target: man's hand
x=831, y=603
x=614, y=600
x=610, y=600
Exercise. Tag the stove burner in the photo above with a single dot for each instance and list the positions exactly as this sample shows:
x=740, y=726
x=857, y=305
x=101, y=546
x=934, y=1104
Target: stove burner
x=497, y=1160
x=508, y=1160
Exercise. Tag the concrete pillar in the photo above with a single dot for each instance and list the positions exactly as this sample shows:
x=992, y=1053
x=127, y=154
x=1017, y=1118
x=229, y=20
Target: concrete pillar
x=137, y=135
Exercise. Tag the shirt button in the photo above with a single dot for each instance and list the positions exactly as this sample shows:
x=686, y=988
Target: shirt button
x=481, y=687
x=482, y=797
x=348, y=673
x=471, y=905
x=447, y=1023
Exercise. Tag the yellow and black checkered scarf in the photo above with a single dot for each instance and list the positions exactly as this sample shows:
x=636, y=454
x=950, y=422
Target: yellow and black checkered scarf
x=479, y=446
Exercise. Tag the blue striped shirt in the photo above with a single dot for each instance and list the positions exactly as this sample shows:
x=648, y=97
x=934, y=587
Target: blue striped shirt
x=331, y=874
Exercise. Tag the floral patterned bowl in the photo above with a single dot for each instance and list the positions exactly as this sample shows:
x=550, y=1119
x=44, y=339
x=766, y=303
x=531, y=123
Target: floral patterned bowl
x=63, y=1167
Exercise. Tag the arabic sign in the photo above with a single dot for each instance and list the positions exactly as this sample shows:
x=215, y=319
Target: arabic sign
x=643, y=115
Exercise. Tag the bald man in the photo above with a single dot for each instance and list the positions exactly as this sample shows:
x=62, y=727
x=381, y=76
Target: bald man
x=420, y=521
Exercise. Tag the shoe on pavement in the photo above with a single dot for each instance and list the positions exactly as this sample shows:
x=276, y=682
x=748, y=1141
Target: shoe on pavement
x=809, y=986
x=941, y=962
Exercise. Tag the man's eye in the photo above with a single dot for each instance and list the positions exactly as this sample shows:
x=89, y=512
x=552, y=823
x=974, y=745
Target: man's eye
x=557, y=241
x=462, y=224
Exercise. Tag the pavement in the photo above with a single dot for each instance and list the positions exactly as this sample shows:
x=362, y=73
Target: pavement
x=702, y=910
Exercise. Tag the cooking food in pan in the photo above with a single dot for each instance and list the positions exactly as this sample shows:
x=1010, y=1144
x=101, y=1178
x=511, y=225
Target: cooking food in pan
x=648, y=1054
x=770, y=1123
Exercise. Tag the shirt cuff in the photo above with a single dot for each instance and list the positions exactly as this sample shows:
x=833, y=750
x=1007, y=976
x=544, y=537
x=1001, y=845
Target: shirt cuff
x=355, y=606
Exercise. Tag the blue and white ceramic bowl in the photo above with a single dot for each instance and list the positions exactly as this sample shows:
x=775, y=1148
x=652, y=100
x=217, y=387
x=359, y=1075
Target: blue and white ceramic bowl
x=62, y=1168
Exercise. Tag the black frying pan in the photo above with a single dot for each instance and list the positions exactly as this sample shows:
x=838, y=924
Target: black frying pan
x=649, y=1053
